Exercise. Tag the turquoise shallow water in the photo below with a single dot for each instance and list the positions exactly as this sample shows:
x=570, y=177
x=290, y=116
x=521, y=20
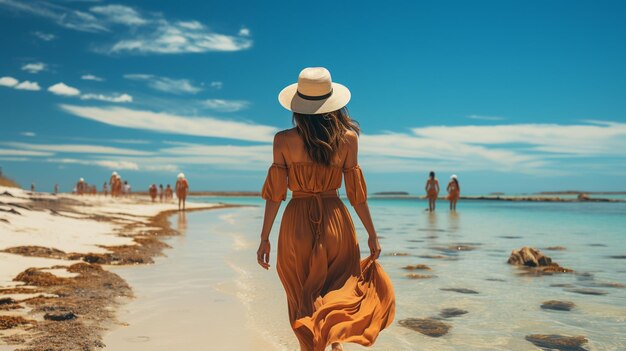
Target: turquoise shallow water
x=507, y=306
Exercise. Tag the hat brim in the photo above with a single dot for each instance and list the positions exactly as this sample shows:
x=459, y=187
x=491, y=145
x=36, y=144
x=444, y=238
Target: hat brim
x=290, y=100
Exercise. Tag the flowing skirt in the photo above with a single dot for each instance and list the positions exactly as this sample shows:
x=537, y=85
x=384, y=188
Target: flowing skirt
x=332, y=296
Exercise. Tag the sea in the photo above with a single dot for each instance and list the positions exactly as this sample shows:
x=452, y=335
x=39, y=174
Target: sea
x=208, y=285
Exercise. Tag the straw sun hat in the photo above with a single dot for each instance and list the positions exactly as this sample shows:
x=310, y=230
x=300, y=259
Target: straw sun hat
x=181, y=175
x=315, y=93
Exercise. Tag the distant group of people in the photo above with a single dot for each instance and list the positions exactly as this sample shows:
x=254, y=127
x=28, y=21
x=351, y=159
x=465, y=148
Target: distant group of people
x=164, y=194
x=432, y=191
x=81, y=188
x=118, y=187
x=167, y=193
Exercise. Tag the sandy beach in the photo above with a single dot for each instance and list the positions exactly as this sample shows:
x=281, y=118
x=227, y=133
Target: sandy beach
x=55, y=254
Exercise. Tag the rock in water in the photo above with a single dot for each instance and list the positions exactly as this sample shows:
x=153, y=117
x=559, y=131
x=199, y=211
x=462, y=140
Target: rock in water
x=419, y=276
x=417, y=266
x=452, y=312
x=558, y=342
x=558, y=305
x=529, y=257
x=460, y=290
x=556, y=248
x=426, y=326
x=585, y=291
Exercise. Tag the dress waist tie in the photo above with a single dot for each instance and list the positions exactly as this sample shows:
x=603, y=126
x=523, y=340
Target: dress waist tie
x=316, y=220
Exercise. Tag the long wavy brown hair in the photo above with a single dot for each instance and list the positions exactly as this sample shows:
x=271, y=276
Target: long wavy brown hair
x=323, y=133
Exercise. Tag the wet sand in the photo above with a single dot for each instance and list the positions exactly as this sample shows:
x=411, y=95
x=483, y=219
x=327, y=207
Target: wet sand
x=189, y=299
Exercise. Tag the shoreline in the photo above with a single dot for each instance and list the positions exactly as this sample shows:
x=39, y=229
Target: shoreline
x=55, y=289
x=520, y=198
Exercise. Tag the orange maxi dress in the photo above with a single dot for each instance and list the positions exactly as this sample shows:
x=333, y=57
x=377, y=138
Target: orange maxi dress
x=332, y=295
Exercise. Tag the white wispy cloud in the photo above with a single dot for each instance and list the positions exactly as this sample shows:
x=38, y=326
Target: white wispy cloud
x=91, y=77
x=28, y=134
x=173, y=124
x=28, y=85
x=216, y=85
x=121, y=98
x=11, y=82
x=17, y=152
x=165, y=84
x=486, y=118
x=110, y=164
x=34, y=67
x=120, y=14
x=607, y=138
x=63, y=90
x=145, y=33
x=176, y=37
x=525, y=148
x=44, y=36
x=226, y=105
x=8, y=82
x=76, y=149
x=244, y=32
x=227, y=157
x=61, y=15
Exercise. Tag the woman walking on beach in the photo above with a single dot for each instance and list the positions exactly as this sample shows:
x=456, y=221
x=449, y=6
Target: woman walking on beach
x=454, y=192
x=332, y=295
x=182, y=186
x=432, y=191
x=169, y=194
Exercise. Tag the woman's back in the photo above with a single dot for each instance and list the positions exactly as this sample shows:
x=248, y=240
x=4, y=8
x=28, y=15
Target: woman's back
x=306, y=175
x=293, y=150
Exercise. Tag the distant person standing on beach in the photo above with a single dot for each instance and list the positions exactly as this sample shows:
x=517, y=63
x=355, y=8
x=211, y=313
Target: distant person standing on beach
x=56, y=189
x=116, y=188
x=153, y=192
x=105, y=189
x=80, y=186
x=161, y=193
x=182, y=186
x=332, y=296
x=127, y=189
x=432, y=191
x=169, y=194
x=112, y=180
x=32, y=187
x=454, y=192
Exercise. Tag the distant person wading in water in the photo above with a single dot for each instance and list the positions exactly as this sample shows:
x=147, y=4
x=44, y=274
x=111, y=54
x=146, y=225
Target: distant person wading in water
x=182, y=186
x=332, y=295
x=454, y=192
x=432, y=191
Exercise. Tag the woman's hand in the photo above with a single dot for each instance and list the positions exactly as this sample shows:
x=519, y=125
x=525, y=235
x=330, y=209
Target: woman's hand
x=372, y=242
x=263, y=254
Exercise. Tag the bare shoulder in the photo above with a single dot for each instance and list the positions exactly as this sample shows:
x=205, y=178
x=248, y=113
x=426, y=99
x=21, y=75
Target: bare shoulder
x=287, y=133
x=352, y=138
x=351, y=135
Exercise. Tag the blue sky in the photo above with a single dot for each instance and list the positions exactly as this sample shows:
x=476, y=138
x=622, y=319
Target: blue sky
x=513, y=96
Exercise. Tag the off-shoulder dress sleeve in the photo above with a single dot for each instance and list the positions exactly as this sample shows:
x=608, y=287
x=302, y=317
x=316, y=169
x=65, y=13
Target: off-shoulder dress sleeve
x=275, y=187
x=356, y=189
